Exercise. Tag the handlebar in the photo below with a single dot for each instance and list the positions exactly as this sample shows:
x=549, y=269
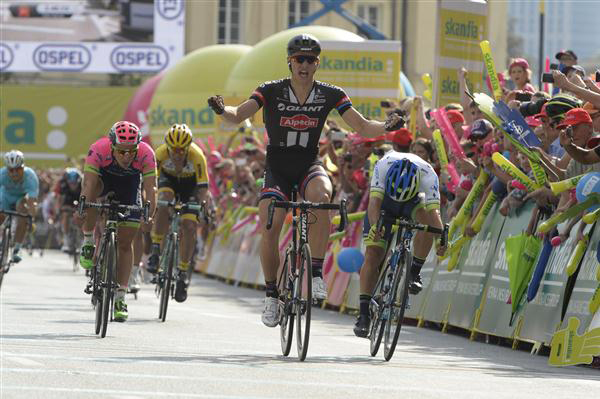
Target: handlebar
x=17, y=214
x=114, y=206
x=400, y=222
x=188, y=206
x=305, y=206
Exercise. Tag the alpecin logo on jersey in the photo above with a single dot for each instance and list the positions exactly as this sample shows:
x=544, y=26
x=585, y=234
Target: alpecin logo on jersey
x=299, y=122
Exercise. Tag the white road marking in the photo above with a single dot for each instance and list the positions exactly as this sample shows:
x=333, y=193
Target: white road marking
x=39, y=29
x=23, y=362
x=121, y=392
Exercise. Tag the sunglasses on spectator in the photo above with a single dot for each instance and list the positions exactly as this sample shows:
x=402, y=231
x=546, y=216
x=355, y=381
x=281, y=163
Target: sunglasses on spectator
x=311, y=59
x=123, y=152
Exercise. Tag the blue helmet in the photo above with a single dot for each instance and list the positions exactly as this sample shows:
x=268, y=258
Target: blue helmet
x=72, y=175
x=402, y=180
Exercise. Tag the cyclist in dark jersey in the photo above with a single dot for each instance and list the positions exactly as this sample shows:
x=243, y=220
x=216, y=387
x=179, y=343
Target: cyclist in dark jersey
x=68, y=190
x=295, y=110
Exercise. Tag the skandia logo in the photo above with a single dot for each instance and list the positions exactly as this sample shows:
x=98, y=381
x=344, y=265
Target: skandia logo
x=468, y=30
x=299, y=122
x=169, y=9
x=6, y=56
x=161, y=116
x=361, y=64
x=305, y=108
x=148, y=58
x=62, y=57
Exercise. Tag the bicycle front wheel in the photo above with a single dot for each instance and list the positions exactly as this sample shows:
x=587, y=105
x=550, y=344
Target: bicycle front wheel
x=167, y=280
x=286, y=321
x=376, y=308
x=303, y=299
x=108, y=268
x=4, y=252
x=397, y=300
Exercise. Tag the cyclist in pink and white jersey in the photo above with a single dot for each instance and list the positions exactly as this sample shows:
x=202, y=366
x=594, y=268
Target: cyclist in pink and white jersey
x=123, y=165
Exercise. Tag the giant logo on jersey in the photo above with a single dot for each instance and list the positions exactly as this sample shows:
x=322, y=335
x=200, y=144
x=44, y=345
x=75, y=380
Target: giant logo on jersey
x=299, y=122
x=306, y=108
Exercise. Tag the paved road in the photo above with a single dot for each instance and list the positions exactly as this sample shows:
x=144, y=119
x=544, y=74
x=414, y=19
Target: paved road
x=214, y=346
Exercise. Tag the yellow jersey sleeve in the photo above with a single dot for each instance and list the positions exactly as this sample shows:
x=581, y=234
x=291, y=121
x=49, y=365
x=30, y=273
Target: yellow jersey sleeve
x=199, y=161
x=161, y=155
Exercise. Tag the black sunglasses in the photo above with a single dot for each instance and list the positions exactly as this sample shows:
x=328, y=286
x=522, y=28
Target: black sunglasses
x=311, y=59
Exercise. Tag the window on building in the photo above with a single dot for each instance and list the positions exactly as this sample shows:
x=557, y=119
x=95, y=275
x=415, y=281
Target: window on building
x=369, y=13
x=229, y=21
x=297, y=11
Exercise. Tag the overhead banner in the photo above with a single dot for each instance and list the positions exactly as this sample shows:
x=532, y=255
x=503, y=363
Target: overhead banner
x=368, y=71
x=462, y=25
x=137, y=36
x=61, y=123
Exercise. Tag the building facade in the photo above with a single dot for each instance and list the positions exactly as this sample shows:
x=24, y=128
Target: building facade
x=248, y=22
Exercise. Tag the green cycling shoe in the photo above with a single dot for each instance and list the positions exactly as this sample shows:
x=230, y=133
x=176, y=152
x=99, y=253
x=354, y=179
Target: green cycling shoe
x=120, y=313
x=86, y=259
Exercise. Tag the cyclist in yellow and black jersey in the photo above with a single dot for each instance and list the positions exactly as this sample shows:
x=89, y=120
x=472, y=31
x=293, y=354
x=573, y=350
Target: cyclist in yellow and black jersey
x=182, y=175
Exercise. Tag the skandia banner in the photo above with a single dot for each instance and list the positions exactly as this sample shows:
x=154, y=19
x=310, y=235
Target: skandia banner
x=61, y=123
x=461, y=26
x=368, y=71
x=137, y=36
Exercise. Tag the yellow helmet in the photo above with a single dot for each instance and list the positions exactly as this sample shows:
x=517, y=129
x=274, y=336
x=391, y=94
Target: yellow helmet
x=178, y=136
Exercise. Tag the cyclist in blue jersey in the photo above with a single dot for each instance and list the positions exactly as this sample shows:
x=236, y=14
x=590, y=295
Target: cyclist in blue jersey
x=19, y=189
x=295, y=110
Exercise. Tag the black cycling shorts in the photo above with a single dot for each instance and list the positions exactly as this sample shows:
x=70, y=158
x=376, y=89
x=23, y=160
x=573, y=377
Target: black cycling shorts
x=184, y=189
x=127, y=190
x=286, y=170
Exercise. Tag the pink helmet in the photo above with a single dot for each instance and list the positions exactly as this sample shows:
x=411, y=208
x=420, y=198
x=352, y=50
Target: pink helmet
x=124, y=132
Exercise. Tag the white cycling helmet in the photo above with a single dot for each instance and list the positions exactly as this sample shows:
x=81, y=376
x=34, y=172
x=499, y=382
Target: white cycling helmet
x=13, y=159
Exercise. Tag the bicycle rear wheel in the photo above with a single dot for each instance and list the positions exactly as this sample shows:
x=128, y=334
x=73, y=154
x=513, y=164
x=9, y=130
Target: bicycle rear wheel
x=286, y=321
x=168, y=277
x=303, y=299
x=4, y=252
x=397, y=299
x=108, y=268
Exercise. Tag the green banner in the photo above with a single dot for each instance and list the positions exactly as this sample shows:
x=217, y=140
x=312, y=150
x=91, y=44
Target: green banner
x=585, y=286
x=542, y=314
x=442, y=286
x=54, y=124
x=474, y=269
x=496, y=312
x=417, y=302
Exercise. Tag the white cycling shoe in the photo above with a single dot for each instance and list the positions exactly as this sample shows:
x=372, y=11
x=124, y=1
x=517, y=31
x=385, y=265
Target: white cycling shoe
x=270, y=314
x=319, y=288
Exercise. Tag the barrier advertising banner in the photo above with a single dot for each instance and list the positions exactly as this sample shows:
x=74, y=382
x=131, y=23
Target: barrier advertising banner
x=443, y=284
x=542, y=314
x=461, y=26
x=417, y=302
x=137, y=36
x=474, y=268
x=585, y=286
x=496, y=309
x=62, y=122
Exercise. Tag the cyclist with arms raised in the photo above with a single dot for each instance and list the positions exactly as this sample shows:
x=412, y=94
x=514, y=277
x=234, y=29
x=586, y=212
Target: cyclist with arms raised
x=295, y=110
x=68, y=190
x=123, y=165
x=19, y=189
x=403, y=185
x=182, y=174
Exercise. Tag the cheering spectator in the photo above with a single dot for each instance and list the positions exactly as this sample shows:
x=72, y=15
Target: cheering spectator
x=520, y=74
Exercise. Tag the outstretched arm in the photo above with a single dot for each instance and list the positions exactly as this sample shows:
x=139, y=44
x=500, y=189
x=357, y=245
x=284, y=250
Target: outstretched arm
x=235, y=115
